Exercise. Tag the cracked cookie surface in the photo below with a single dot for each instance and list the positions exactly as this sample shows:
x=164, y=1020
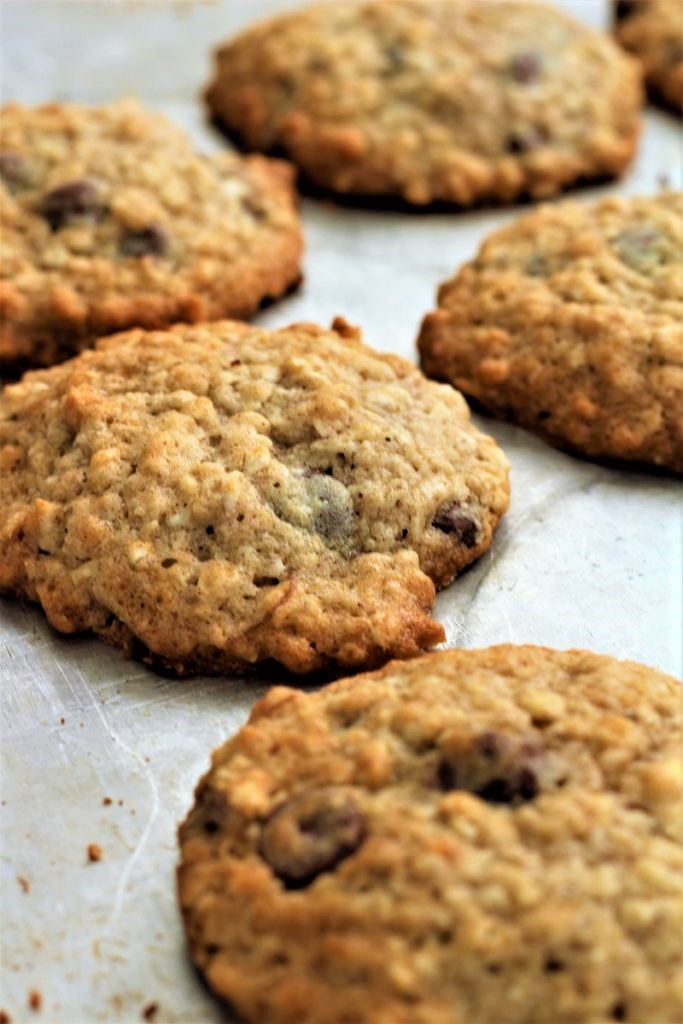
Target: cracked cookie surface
x=217, y=495
x=470, y=836
x=570, y=321
x=426, y=101
x=652, y=30
x=109, y=219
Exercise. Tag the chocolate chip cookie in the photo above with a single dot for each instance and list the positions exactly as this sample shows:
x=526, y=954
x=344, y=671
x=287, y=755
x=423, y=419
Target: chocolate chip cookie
x=570, y=321
x=427, y=100
x=109, y=219
x=213, y=496
x=653, y=31
x=469, y=837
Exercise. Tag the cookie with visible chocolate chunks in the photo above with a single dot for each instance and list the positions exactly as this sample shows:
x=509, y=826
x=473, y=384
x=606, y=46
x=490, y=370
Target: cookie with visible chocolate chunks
x=652, y=30
x=469, y=836
x=570, y=321
x=109, y=219
x=426, y=100
x=213, y=496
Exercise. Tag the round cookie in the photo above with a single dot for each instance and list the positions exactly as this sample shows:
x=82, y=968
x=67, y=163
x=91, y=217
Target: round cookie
x=471, y=837
x=570, y=321
x=653, y=31
x=427, y=100
x=216, y=495
x=109, y=219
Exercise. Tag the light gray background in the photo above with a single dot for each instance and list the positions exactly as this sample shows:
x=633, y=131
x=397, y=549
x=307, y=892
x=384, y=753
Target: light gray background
x=587, y=557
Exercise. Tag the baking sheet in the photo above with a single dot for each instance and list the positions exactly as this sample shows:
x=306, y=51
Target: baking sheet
x=588, y=556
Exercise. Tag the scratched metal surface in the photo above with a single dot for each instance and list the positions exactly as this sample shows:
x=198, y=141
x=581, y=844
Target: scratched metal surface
x=587, y=557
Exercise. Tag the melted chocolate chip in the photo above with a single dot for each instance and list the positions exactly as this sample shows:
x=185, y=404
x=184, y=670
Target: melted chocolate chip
x=524, y=141
x=255, y=207
x=332, y=506
x=151, y=241
x=500, y=769
x=394, y=59
x=674, y=54
x=15, y=170
x=525, y=68
x=451, y=519
x=641, y=247
x=213, y=810
x=536, y=265
x=71, y=202
x=311, y=834
x=625, y=8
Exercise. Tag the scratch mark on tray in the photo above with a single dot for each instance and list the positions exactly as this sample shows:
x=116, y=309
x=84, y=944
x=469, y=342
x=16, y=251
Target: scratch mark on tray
x=154, y=793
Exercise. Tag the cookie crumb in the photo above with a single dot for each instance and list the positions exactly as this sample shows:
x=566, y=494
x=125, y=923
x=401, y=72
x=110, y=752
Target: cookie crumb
x=62, y=721
x=25, y=885
x=5, y=1017
x=149, y=1012
x=35, y=1000
x=106, y=801
x=94, y=852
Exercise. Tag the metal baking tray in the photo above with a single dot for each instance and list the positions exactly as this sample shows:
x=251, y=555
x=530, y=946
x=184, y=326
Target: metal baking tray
x=101, y=750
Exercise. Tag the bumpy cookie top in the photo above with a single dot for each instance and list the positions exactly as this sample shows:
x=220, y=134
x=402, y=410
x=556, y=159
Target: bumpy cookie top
x=109, y=219
x=471, y=837
x=222, y=494
x=430, y=100
x=570, y=320
x=653, y=31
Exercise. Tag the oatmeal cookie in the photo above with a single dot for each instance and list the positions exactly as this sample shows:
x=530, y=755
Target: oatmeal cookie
x=469, y=837
x=653, y=31
x=109, y=219
x=570, y=321
x=461, y=101
x=216, y=495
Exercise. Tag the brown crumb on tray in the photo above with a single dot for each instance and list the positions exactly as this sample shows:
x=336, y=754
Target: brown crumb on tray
x=94, y=852
x=26, y=886
x=106, y=801
x=5, y=1017
x=35, y=1000
x=149, y=1012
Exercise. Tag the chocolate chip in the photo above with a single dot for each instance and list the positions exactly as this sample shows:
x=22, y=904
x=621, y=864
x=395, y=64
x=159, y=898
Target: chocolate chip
x=536, y=265
x=151, y=241
x=500, y=769
x=452, y=519
x=525, y=68
x=524, y=141
x=641, y=247
x=625, y=8
x=332, y=506
x=213, y=809
x=255, y=207
x=674, y=53
x=311, y=834
x=394, y=59
x=71, y=202
x=15, y=170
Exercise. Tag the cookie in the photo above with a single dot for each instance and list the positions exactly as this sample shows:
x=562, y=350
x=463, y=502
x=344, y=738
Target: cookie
x=428, y=101
x=217, y=495
x=570, y=321
x=653, y=31
x=469, y=837
x=109, y=219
